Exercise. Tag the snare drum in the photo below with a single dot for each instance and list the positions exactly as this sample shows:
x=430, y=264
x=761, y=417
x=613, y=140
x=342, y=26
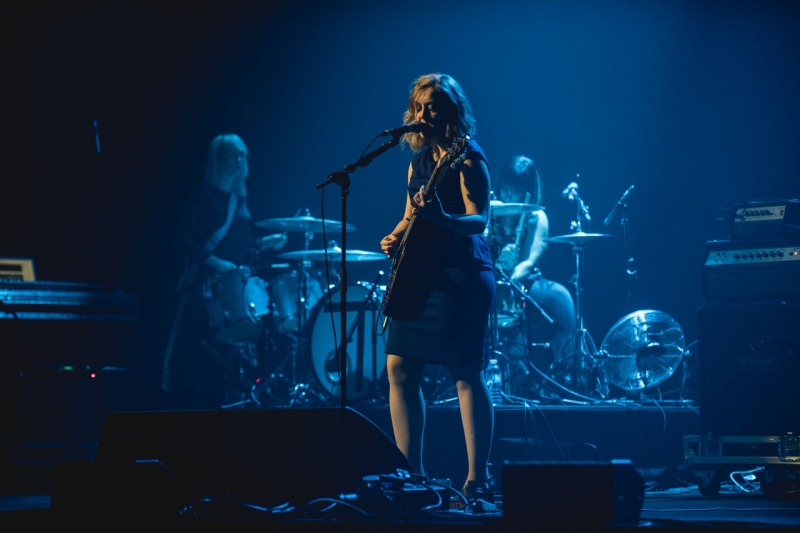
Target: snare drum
x=236, y=302
x=284, y=291
x=507, y=304
x=365, y=352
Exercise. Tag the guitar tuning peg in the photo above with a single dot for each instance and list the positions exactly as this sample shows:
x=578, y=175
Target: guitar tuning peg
x=453, y=165
x=464, y=156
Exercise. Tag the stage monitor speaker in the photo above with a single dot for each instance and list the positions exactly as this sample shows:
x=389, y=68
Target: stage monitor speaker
x=582, y=494
x=749, y=361
x=270, y=456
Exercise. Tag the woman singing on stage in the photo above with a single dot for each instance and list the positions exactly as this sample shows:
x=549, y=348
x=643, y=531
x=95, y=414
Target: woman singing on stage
x=446, y=286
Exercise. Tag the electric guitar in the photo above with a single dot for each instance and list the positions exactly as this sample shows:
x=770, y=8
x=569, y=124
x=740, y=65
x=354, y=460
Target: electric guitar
x=454, y=156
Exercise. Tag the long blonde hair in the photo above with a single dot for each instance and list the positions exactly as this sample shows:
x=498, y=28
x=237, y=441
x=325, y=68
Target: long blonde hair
x=462, y=121
x=219, y=145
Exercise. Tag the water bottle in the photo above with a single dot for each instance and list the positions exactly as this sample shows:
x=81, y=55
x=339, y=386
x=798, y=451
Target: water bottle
x=494, y=381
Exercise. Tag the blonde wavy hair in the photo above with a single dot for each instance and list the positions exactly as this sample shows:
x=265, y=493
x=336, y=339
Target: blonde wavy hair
x=462, y=121
x=229, y=142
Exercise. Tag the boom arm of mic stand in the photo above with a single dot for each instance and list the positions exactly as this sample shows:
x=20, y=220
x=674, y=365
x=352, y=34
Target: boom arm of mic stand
x=524, y=295
x=364, y=161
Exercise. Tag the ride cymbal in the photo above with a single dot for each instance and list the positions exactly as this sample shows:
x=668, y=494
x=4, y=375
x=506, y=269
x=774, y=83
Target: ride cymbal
x=302, y=224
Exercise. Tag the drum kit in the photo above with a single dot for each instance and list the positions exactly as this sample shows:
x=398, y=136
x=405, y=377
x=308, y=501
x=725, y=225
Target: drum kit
x=291, y=311
x=288, y=312
x=641, y=350
x=532, y=363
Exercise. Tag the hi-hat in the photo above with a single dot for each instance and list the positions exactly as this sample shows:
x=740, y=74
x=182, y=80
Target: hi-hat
x=500, y=209
x=302, y=224
x=334, y=254
x=577, y=238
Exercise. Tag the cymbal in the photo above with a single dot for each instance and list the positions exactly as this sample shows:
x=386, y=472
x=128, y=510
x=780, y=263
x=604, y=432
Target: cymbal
x=302, y=224
x=500, y=209
x=334, y=254
x=577, y=238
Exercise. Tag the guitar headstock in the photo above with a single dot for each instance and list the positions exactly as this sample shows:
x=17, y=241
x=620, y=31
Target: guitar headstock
x=456, y=154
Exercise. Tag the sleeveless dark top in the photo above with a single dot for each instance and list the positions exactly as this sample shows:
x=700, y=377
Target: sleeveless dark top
x=206, y=212
x=443, y=313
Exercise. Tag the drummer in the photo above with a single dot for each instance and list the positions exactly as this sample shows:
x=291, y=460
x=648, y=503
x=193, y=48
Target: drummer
x=520, y=245
x=217, y=232
x=220, y=201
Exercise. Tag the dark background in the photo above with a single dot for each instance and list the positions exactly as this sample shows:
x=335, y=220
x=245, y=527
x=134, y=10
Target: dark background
x=695, y=103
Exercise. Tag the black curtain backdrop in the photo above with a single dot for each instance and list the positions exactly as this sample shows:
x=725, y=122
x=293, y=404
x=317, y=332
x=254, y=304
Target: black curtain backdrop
x=694, y=103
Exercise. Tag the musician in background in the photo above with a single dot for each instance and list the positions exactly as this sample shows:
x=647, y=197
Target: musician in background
x=520, y=243
x=448, y=282
x=217, y=237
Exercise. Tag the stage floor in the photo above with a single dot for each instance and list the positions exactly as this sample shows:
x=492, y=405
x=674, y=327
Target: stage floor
x=681, y=508
x=650, y=436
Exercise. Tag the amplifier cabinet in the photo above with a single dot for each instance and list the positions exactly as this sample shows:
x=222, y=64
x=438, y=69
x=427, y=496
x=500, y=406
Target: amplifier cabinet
x=749, y=363
x=751, y=271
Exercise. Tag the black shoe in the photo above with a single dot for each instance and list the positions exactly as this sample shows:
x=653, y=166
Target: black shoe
x=479, y=490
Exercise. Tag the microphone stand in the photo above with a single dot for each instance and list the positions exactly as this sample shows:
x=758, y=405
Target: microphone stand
x=342, y=179
x=621, y=204
x=629, y=271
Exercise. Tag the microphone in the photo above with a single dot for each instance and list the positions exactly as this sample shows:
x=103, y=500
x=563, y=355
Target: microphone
x=621, y=201
x=412, y=127
x=570, y=191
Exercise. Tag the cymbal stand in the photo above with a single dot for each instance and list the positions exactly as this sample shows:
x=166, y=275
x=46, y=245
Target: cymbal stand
x=299, y=392
x=583, y=365
x=630, y=272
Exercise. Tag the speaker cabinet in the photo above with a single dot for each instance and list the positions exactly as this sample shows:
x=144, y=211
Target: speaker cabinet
x=749, y=368
x=571, y=494
x=269, y=456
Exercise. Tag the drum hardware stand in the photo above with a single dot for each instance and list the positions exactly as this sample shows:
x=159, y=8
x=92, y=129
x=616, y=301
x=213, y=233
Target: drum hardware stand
x=245, y=383
x=371, y=304
x=299, y=347
x=442, y=386
x=511, y=362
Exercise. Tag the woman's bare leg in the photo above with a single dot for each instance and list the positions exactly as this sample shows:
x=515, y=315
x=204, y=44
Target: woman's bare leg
x=477, y=417
x=407, y=407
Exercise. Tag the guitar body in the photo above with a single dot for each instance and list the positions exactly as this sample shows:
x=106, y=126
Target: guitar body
x=399, y=274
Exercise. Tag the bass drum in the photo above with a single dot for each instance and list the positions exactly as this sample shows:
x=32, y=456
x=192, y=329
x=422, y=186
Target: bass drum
x=365, y=356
